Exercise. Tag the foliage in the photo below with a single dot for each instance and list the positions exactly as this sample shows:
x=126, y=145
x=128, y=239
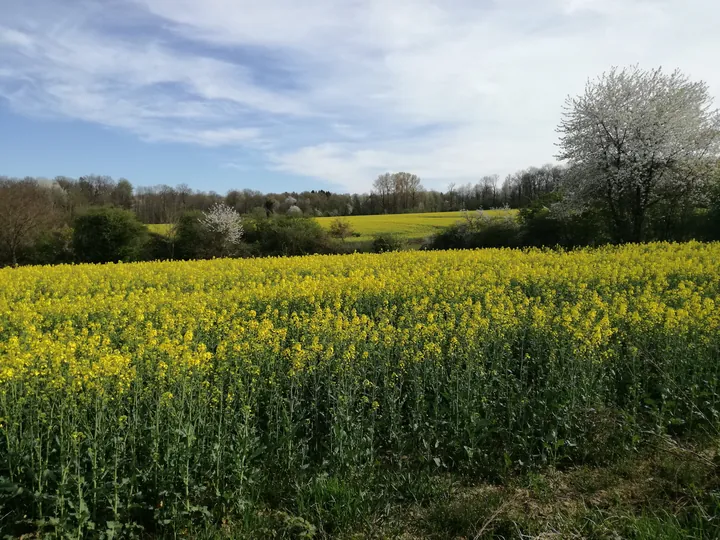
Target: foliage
x=548, y=223
x=53, y=247
x=341, y=228
x=108, y=234
x=384, y=242
x=287, y=235
x=479, y=230
x=636, y=139
x=190, y=239
x=712, y=223
x=158, y=247
x=168, y=394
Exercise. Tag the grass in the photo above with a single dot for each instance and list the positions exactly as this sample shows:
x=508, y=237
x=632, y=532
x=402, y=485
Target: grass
x=410, y=227
x=670, y=491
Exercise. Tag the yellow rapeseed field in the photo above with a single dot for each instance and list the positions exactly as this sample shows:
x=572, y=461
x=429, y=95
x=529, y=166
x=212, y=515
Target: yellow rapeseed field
x=156, y=394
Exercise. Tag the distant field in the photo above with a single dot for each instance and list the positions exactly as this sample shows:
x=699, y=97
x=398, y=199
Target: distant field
x=408, y=226
x=159, y=228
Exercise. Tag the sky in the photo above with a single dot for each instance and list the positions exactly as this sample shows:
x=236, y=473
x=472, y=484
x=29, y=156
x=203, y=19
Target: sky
x=280, y=95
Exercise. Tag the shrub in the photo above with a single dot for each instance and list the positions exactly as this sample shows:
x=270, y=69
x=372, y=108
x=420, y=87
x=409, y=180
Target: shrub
x=191, y=238
x=545, y=224
x=342, y=229
x=385, y=242
x=287, y=235
x=108, y=234
x=53, y=247
x=479, y=231
x=159, y=247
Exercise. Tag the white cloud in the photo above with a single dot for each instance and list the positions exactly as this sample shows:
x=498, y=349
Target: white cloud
x=343, y=90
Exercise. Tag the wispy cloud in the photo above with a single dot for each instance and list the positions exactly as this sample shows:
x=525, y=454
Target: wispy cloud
x=343, y=90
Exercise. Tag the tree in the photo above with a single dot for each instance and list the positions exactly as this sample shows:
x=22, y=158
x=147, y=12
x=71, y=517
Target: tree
x=122, y=194
x=397, y=191
x=637, y=138
x=294, y=211
x=108, y=234
x=26, y=210
x=341, y=228
x=226, y=224
x=270, y=206
x=382, y=186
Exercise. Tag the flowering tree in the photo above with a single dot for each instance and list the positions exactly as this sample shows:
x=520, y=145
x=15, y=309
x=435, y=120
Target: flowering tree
x=637, y=138
x=226, y=223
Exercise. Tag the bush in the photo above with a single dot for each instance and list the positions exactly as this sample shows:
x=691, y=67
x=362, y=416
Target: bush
x=542, y=227
x=479, y=231
x=342, y=229
x=53, y=247
x=191, y=239
x=385, y=242
x=108, y=234
x=159, y=247
x=287, y=235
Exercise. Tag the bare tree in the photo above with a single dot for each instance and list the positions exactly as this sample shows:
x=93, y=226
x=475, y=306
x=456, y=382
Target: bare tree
x=383, y=187
x=636, y=138
x=400, y=188
x=26, y=208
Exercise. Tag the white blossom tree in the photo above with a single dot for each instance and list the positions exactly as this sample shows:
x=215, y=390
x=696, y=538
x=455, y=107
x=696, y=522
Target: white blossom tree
x=226, y=223
x=636, y=138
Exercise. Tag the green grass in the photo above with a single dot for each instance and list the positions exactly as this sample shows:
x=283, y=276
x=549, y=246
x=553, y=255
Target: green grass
x=668, y=492
x=407, y=226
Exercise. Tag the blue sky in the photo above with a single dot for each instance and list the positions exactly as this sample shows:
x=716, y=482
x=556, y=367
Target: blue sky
x=288, y=95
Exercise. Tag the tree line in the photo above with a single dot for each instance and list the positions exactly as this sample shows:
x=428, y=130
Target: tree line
x=38, y=215
x=392, y=193
x=641, y=161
